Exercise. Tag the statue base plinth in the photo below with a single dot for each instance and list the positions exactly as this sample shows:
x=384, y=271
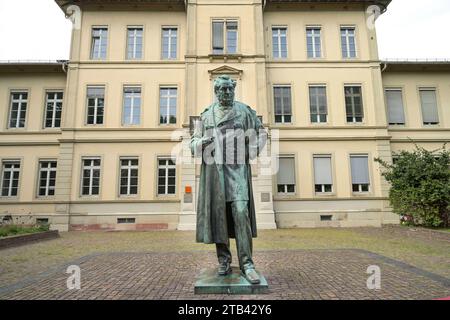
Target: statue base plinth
x=209, y=282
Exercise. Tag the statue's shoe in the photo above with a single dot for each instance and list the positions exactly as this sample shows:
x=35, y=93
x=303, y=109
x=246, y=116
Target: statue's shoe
x=224, y=269
x=252, y=276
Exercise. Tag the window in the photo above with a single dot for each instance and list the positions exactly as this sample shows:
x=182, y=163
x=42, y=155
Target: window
x=99, y=43
x=394, y=102
x=360, y=173
x=134, y=42
x=126, y=220
x=10, y=178
x=282, y=102
x=96, y=105
x=169, y=43
x=429, y=106
x=279, y=42
x=91, y=177
x=129, y=180
x=313, y=42
x=167, y=105
x=286, y=175
x=353, y=104
x=318, y=104
x=323, y=179
x=42, y=221
x=18, y=109
x=166, y=176
x=131, y=106
x=47, y=178
x=53, y=109
x=348, y=42
x=225, y=33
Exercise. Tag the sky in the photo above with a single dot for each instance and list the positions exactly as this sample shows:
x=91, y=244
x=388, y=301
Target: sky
x=410, y=29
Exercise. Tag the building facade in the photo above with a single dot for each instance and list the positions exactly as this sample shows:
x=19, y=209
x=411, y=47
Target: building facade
x=87, y=144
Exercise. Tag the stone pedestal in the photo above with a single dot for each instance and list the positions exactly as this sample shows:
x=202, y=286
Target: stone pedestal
x=209, y=282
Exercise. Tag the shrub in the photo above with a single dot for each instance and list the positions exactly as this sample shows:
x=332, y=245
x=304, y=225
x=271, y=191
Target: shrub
x=12, y=230
x=420, y=186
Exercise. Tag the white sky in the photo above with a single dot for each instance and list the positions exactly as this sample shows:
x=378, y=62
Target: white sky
x=37, y=29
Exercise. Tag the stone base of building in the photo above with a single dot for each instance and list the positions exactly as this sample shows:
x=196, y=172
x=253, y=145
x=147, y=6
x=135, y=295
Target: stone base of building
x=187, y=222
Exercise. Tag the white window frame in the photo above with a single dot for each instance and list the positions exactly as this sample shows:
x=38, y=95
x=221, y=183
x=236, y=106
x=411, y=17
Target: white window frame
x=360, y=185
x=91, y=167
x=285, y=186
x=347, y=42
x=12, y=171
x=166, y=167
x=225, y=49
x=129, y=167
x=322, y=186
x=54, y=102
x=279, y=36
x=21, y=106
x=49, y=169
x=135, y=37
x=283, y=120
x=314, y=36
x=137, y=93
x=166, y=107
x=171, y=38
x=353, y=104
x=102, y=39
x=96, y=106
x=386, y=90
x=434, y=89
x=312, y=86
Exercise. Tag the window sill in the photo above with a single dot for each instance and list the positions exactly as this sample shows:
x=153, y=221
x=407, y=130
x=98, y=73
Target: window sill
x=361, y=194
x=5, y=198
x=225, y=56
x=286, y=196
x=45, y=198
x=325, y=195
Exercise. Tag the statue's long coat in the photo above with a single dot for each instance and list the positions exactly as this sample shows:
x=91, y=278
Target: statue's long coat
x=214, y=221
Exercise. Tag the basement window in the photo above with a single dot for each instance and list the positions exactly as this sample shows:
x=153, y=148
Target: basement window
x=42, y=221
x=126, y=220
x=326, y=217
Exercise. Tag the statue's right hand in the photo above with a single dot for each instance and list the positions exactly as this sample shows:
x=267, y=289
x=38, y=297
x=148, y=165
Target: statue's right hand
x=207, y=141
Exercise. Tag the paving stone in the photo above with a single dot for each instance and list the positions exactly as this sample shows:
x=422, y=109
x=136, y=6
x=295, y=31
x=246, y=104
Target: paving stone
x=291, y=275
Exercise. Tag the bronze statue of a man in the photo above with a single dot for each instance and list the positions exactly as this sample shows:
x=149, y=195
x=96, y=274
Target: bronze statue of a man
x=227, y=137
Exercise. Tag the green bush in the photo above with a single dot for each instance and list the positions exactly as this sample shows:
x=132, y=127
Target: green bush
x=12, y=230
x=420, y=186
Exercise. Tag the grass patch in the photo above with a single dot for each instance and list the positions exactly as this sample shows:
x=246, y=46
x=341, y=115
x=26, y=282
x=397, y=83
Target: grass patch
x=13, y=230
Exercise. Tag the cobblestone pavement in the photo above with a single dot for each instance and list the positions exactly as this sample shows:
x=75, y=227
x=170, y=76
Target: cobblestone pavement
x=291, y=274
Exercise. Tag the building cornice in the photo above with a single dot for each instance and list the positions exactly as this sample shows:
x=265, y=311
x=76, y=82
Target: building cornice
x=415, y=66
x=10, y=66
x=279, y=4
x=129, y=5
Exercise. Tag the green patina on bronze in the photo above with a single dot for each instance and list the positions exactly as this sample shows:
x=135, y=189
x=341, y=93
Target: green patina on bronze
x=225, y=206
x=208, y=282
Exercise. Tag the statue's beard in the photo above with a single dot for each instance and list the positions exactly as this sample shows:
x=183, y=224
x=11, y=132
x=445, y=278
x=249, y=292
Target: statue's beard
x=226, y=101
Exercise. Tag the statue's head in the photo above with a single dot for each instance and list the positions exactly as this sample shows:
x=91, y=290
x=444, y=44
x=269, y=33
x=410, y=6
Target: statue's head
x=224, y=88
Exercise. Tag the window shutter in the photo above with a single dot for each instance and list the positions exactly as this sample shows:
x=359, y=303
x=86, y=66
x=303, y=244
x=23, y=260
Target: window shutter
x=429, y=106
x=286, y=171
x=360, y=169
x=322, y=170
x=395, y=106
